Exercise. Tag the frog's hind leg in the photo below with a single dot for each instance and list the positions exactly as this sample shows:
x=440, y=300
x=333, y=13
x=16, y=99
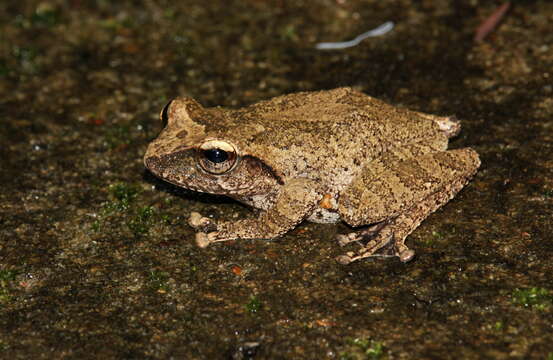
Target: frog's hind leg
x=397, y=197
x=390, y=240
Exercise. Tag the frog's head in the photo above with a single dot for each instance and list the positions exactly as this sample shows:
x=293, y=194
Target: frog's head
x=193, y=151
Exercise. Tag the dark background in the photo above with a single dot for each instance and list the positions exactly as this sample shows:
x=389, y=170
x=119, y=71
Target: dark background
x=96, y=259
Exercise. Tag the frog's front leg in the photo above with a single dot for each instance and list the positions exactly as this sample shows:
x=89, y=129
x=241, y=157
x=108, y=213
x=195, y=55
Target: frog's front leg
x=296, y=200
x=397, y=197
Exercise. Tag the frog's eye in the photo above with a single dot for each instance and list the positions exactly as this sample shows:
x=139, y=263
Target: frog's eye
x=216, y=156
x=163, y=115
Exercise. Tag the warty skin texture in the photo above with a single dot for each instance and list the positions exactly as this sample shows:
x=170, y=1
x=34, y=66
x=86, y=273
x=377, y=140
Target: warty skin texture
x=321, y=156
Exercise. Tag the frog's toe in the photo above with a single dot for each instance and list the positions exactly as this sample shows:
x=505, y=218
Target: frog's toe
x=362, y=254
x=371, y=249
x=354, y=256
x=196, y=220
x=344, y=259
x=202, y=223
x=364, y=235
x=344, y=239
x=404, y=253
x=202, y=239
x=385, y=246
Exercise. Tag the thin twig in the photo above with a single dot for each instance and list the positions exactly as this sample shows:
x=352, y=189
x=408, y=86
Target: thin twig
x=378, y=31
x=488, y=25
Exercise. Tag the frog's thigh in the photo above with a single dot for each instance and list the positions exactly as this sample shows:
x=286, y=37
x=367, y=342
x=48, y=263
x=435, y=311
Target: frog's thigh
x=390, y=240
x=453, y=169
x=386, y=190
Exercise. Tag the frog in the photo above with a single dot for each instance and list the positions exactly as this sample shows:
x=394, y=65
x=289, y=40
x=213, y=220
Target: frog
x=325, y=156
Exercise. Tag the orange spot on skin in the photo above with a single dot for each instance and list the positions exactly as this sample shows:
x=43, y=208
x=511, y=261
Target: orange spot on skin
x=325, y=203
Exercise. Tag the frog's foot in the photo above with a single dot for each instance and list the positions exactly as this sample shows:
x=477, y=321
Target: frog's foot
x=201, y=223
x=204, y=239
x=363, y=236
x=383, y=244
x=403, y=252
x=206, y=229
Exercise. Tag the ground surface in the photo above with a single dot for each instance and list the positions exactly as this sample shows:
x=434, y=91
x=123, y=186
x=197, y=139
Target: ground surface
x=96, y=259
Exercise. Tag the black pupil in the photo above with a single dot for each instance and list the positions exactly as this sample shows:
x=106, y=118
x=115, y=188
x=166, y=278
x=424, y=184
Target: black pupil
x=216, y=155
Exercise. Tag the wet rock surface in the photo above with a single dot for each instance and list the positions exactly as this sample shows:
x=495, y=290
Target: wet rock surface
x=96, y=258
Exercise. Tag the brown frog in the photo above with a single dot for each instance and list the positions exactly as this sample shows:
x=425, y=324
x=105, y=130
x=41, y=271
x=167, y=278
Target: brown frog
x=323, y=156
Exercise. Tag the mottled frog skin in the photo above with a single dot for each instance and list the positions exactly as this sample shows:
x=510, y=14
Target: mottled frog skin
x=326, y=156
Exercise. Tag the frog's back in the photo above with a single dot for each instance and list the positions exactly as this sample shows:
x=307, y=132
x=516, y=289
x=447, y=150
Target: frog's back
x=327, y=135
x=334, y=121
